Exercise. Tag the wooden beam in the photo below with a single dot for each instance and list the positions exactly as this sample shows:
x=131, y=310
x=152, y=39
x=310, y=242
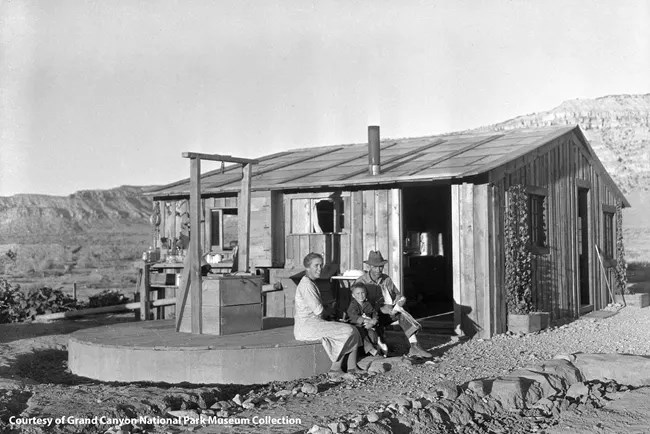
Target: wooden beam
x=195, y=246
x=217, y=157
x=143, y=284
x=181, y=298
x=244, y=219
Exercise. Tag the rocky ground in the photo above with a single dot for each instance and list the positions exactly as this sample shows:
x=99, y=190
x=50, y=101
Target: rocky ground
x=396, y=395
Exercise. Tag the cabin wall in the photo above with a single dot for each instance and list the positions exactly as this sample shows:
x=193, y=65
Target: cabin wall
x=562, y=167
x=370, y=221
x=266, y=246
x=478, y=309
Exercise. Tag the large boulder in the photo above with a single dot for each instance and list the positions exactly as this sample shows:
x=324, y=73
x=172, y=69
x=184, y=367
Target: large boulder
x=516, y=392
x=622, y=368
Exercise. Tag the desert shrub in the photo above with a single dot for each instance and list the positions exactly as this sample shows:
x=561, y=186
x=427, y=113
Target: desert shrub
x=16, y=306
x=10, y=296
x=107, y=297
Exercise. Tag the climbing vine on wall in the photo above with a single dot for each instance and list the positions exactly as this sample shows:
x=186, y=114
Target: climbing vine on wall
x=621, y=265
x=517, y=252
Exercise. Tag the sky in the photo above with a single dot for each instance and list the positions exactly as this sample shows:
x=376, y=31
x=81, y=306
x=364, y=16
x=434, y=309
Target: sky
x=96, y=94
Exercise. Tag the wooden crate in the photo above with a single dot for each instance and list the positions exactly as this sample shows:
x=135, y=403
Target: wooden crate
x=231, y=304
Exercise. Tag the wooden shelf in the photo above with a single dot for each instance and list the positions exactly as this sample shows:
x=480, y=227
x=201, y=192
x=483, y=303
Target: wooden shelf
x=155, y=285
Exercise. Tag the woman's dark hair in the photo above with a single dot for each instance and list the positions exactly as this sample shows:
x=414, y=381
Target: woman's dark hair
x=310, y=257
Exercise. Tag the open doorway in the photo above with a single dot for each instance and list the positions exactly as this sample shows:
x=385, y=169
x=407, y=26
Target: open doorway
x=586, y=303
x=427, y=263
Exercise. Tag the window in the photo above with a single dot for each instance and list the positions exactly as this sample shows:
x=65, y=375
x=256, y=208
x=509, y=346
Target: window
x=316, y=215
x=608, y=234
x=536, y=220
x=224, y=228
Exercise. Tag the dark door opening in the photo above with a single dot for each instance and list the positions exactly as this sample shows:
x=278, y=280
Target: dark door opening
x=427, y=264
x=583, y=248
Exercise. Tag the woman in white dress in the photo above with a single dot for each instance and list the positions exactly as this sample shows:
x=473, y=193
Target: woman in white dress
x=337, y=338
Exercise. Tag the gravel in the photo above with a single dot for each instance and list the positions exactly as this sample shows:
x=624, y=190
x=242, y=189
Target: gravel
x=318, y=400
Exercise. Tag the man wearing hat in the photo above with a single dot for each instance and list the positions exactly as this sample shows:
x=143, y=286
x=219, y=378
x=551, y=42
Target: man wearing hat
x=389, y=301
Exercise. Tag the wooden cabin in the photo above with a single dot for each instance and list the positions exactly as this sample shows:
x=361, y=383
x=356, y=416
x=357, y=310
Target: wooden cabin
x=434, y=207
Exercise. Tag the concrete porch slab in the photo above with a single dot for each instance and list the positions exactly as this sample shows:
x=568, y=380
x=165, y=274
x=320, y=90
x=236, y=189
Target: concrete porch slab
x=154, y=351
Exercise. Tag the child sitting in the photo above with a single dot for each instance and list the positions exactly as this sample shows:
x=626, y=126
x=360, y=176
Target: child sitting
x=366, y=319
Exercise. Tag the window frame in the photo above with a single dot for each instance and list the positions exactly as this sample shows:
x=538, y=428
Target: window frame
x=608, y=239
x=538, y=195
x=338, y=216
x=221, y=211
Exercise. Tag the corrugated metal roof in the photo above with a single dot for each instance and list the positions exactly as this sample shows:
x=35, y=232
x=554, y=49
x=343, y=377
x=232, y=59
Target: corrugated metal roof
x=442, y=157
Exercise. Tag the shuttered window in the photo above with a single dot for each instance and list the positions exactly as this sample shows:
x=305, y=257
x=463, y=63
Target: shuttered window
x=536, y=220
x=608, y=234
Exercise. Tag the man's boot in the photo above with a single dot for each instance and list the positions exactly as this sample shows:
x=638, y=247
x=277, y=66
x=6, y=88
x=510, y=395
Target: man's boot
x=417, y=351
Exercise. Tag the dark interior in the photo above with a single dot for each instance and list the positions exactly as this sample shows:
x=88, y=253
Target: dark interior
x=426, y=217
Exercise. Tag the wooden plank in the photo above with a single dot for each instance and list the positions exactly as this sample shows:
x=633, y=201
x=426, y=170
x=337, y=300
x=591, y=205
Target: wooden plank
x=300, y=216
x=244, y=219
x=217, y=157
x=472, y=317
x=231, y=201
x=456, y=254
x=172, y=220
x=298, y=254
x=481, y=249
x=497, y=268
x=395, y=236
x=278, y=230
x=195, y=246
x=356, y=231
x=208, y=204
x=345, y=235
x=381, y=224
x=143, y=279
x=288, y=244
x=261, y=237
x=317, y=245
x=181, y=299
x=369, y=229
x=163, y=217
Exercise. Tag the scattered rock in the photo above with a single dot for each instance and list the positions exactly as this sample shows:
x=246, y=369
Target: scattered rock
x=282, y=393
x=577, y=391
x=309, y=389
x=372, y=417
x=337, y=427
x=447, y=390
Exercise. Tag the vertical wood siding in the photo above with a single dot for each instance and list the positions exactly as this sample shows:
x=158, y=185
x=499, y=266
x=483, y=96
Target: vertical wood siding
x=371, y=222
x=562, y=167
x=476, y=302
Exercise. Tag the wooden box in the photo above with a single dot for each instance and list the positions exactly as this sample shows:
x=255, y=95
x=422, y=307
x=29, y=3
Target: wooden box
x=231, y=304
x=528, y=323
x=162, y=279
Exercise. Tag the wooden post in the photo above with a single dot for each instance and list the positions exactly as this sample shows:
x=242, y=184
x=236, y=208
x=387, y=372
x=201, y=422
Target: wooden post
x=244, y=219
x=195, y=246
x=144, y=292
x=74, y=290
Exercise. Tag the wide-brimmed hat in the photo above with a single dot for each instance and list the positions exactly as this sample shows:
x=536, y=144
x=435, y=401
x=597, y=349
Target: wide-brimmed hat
x=375, y=259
